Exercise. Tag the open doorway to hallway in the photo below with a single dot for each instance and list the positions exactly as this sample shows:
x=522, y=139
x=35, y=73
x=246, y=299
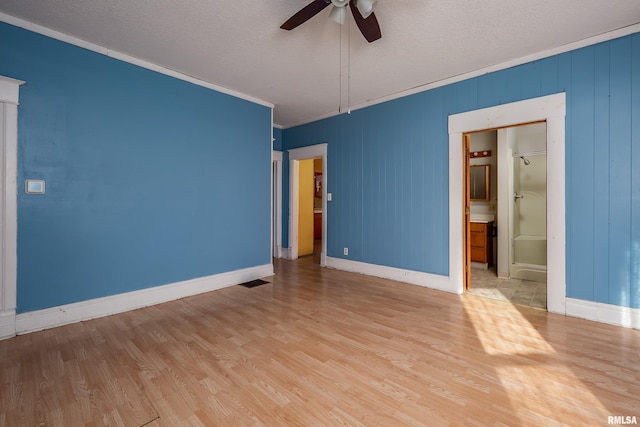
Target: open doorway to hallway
x=308, y=202
x=505, y=214
x=310, y=210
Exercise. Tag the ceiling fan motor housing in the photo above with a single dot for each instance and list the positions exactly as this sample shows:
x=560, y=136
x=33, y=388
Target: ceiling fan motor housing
x=362, y=11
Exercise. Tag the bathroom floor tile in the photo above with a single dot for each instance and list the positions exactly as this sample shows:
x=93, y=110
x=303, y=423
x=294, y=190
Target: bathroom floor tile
x=486, y=284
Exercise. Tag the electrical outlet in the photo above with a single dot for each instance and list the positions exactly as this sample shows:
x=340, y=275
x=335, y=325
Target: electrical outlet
x=346, y=251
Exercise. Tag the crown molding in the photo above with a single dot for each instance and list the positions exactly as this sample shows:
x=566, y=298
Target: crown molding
x=620, y=32
x=21, y=23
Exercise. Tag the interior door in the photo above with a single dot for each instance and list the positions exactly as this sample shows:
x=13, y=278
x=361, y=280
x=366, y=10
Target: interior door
x=467, y=214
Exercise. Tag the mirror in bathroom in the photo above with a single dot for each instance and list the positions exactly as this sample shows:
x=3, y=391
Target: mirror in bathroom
x=479, y=182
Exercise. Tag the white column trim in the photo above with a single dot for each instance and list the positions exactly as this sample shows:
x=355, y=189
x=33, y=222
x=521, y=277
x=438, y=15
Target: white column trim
x=276, y=158
x=9, y=96
x=9, y=90
x=552, y=109
x=294, y=170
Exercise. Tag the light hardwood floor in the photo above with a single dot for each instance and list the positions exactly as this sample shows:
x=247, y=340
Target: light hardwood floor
x=322, y=347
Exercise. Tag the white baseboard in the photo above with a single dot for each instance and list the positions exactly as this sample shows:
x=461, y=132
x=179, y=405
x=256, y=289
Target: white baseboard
x=85, y=310
x=604, y=313
x=285, y=253
x=7, y=324
x=10, y=323
x=433, y=281
x=279, y=252
x=588, y=310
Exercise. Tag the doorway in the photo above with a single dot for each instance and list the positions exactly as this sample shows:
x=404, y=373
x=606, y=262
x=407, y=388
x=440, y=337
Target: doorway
x=309, y=206
x=552, y=110
x=506, y=234
x=303, y=159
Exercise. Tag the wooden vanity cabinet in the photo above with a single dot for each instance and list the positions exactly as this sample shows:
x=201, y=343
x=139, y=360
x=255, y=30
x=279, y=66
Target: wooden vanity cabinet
x=481, y=242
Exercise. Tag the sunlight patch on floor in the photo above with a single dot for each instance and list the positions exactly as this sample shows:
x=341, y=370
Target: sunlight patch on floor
x=530, y=378
x=509, y=334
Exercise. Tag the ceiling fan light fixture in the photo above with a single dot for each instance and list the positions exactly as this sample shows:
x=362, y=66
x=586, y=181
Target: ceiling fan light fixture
x=338, y=14
x=365, y=7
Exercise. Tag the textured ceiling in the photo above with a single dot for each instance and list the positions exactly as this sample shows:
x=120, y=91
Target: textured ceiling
x=238, y=44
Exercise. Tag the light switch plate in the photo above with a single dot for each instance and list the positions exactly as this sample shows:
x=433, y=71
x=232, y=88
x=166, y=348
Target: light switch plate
x=34, y=186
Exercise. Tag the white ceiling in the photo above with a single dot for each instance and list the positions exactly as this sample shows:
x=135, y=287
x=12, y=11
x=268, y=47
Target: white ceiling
x=238, y=44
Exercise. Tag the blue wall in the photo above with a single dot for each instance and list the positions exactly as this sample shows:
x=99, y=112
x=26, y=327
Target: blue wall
x=388, y=168
x=277, y=139
x=150, y=180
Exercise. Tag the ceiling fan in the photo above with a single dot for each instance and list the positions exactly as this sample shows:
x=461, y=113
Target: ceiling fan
x=362, y=11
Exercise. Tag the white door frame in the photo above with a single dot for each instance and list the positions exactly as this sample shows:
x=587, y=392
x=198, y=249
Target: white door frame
x=295, y=155
x=9, y=94
x=276, y=200
x=552, y=109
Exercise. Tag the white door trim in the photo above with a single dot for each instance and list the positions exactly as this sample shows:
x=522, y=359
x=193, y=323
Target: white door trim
x=295, y=155
x=9, y=94
x=276, y=226
x=552, y=109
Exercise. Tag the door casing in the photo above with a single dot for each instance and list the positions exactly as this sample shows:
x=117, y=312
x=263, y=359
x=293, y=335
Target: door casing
x=552, y=109
x=9, y=94
x=295, y=155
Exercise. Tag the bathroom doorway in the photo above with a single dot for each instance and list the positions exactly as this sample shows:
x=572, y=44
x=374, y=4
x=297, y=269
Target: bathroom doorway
x=506, y=238
x=550, y=109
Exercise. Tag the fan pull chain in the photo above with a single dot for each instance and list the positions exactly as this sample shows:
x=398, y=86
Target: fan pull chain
x=348, y=65
x=340, y=74
x=344, y=74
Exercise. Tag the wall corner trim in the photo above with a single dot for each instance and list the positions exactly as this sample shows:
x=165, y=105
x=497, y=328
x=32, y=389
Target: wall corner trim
x=427, y=280
x=91, y=309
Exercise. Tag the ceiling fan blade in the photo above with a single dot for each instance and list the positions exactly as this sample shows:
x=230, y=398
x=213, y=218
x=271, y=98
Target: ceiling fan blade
x=304, y=14
x=368, y=26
